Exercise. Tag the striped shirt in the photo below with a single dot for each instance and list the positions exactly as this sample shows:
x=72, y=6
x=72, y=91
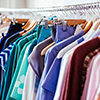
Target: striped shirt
x=4, y=55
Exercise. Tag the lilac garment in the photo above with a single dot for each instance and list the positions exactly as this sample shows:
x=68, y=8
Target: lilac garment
x=50, y=74
x=61, y=35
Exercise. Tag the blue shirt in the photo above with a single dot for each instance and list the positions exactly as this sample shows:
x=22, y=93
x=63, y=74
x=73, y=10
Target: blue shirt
x=49, y=78
x=59, y=36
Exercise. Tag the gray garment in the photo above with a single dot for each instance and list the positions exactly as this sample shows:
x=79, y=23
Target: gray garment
x=36, y=60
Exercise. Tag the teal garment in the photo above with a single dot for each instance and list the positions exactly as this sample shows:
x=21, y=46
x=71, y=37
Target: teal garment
x=19, y=84
x=39, y=30
x=19, y=46
x=38, y=33
x=17, y=89
x=10, y=66
x=52, y=17
x=32, y=46
x=45, y=33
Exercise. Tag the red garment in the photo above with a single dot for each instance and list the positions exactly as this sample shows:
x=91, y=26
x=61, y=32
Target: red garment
x=73, y=80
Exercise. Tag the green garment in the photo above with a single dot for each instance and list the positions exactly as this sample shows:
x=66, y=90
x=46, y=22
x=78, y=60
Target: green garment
x=10, y=65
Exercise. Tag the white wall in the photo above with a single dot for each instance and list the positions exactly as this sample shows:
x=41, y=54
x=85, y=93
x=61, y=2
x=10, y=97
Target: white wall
x=40, y=3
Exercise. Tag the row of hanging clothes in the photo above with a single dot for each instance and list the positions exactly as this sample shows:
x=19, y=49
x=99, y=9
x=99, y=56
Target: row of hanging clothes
x=51, y=58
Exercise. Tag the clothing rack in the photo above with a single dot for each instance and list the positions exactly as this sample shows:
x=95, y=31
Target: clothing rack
x=85, y=6
x=81, y=9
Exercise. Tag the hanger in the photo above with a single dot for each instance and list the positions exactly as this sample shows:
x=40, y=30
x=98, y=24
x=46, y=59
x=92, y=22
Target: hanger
x=18, y=20
x=43, y=52
x=27, y=26
x=3, y=25
x=99, y=37
x=94, y=27
x=89, y=25
x=84, y=25
x=71, y=22
x=32, y=28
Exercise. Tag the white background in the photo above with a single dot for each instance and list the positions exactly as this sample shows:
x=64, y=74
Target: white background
x=40, y=3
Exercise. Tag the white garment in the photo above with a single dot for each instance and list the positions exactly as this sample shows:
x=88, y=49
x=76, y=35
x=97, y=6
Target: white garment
x=63, y=68
x=29, y=85
x=78, y=29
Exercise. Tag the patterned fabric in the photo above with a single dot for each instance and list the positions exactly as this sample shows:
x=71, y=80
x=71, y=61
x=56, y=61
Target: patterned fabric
x=86, y=63
x=4, y=55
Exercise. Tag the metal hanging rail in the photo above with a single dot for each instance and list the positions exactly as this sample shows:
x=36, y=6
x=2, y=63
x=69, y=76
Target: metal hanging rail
x=64, y=9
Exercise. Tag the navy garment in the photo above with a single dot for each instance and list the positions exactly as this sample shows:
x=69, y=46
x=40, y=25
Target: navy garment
x=11, y=39
x=12, y=30
x=53, y=32
x=46, y=90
